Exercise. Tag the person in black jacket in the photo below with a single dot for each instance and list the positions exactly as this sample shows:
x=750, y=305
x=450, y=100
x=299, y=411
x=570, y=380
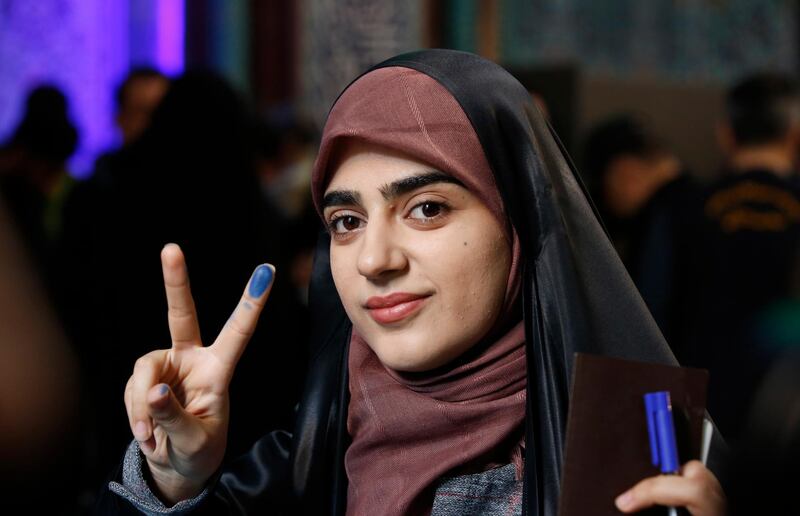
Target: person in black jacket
x=650, y=206
x=746, y=259
x=462, y=268
x=34, y=180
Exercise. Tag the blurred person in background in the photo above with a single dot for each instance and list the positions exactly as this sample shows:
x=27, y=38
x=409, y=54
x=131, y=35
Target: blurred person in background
x=189, y=178
x=746, y=257
x=286, y=157
x=33, y=173
x=137, y=97
x=38, y=390
x=649, y=204
x=286, y=153
x=301, y=242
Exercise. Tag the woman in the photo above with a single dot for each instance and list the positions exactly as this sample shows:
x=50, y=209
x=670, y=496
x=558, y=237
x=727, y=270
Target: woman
x=462, y=252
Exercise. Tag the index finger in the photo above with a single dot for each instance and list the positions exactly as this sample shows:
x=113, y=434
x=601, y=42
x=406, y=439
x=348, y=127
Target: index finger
x=182, y=316
x=234, y=337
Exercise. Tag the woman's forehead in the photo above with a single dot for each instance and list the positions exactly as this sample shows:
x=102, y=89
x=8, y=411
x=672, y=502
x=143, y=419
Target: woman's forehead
x=364, y=162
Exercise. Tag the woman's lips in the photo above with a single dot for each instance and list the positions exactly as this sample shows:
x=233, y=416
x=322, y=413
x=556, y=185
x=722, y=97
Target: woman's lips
x=394, y=307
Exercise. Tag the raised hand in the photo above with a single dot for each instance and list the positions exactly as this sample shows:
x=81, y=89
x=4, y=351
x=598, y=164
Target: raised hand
x=177, y=398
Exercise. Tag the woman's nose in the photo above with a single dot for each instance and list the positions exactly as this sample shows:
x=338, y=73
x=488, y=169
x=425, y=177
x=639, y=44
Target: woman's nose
x=380, y=254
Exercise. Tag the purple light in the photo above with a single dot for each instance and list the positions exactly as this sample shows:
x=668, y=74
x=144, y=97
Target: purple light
x=85, y=47
x=79, y=46
x=170, y=28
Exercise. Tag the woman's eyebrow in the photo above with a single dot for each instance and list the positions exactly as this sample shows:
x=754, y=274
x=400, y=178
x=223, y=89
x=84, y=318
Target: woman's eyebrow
x=341, y=198
x=411, y=183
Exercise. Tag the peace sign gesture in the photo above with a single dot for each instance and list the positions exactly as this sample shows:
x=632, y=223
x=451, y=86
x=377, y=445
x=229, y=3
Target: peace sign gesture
x=177, y=398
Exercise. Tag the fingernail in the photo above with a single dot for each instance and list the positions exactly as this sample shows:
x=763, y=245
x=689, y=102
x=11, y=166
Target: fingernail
x=261, y=279
x=140, y=431
x=163, y=390
x=624, y=500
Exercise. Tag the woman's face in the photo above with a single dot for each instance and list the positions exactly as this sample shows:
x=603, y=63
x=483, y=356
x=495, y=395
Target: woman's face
x=420, y=263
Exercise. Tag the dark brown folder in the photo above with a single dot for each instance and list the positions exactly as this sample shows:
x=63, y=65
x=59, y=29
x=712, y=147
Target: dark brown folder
x=607, y=448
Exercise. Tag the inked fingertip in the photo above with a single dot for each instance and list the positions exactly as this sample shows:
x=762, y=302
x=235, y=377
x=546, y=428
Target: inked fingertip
x=261, y=280
x=157, y=396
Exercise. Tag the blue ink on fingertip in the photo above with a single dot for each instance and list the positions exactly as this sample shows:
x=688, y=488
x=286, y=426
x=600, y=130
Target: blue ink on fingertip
x=261, y=279
x=163, y=389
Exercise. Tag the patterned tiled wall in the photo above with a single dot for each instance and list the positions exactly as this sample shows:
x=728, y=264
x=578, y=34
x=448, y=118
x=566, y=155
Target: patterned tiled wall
x=342, y=38
x=706, y=40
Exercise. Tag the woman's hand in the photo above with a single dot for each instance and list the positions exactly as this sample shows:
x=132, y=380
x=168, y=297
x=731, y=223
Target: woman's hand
x=177, y=398
x=696, y=488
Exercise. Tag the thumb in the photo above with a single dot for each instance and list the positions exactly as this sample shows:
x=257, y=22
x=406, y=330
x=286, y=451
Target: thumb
x=168, y=413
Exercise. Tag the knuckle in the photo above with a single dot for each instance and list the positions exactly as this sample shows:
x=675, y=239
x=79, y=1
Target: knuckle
x=140, y=412
x=179, y=313
x=143, y=363
x=148, y=362
x=240, y=329
x=694, y=469
x=140, y=363
x=138, y=404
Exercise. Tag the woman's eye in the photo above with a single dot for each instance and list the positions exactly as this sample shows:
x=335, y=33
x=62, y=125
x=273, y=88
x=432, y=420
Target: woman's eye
x=345, y=224
x=427, y=210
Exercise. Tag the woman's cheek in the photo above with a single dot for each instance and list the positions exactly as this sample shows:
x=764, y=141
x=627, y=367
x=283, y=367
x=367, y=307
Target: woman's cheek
x=478, y=275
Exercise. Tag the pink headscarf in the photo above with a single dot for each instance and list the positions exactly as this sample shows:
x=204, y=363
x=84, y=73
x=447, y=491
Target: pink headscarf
x=410, y=430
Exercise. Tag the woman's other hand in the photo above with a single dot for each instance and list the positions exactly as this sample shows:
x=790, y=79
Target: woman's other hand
x=696, y=489
x=177, y=398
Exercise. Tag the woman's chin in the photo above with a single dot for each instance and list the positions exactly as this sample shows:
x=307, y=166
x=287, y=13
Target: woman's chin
x=407, y=366
x=409, y=355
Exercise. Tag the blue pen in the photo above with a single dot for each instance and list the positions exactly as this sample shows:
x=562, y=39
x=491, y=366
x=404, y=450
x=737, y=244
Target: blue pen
x=661, y=430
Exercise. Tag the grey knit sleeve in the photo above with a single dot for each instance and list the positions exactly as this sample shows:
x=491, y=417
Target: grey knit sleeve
x=134, y=488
